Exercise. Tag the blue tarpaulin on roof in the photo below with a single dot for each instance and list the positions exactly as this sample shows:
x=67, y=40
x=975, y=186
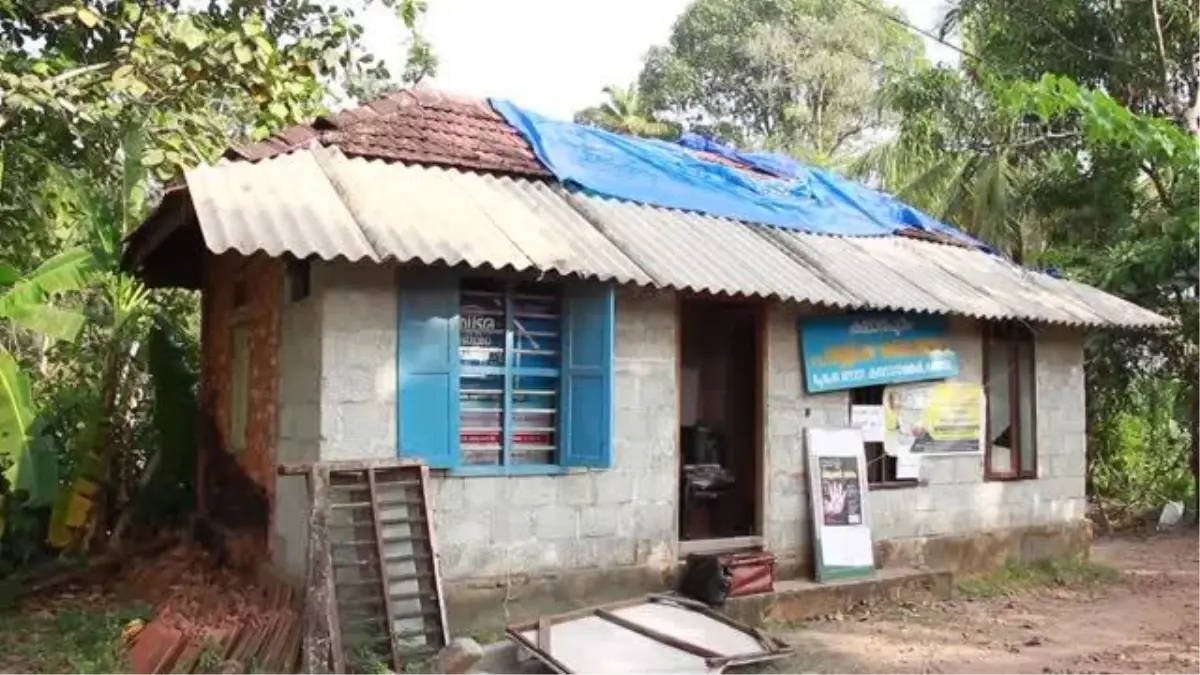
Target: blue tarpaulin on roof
x=670, y=175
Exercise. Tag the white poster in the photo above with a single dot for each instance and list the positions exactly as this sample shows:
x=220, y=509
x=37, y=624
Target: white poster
x=869, y=420
x=838, y=493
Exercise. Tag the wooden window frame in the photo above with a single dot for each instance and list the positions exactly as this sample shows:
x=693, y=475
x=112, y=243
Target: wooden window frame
x=874, y=452
x=1010, y=336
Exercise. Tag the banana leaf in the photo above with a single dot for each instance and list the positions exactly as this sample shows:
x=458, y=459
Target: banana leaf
x=16, y=409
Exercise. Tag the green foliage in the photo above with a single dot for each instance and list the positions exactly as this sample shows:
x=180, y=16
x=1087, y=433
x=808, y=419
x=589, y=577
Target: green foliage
x=625, y=112
x=170, y=493
x=1016, y=577
x=84, y=637
x=801, y=76
x=1146, y=480
x=101, y=105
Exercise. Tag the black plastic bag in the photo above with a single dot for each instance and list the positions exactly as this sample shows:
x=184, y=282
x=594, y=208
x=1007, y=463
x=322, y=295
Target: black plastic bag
x=705, y=579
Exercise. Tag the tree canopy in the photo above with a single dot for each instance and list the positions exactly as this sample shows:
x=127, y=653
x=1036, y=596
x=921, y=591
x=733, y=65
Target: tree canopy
x=803, y=76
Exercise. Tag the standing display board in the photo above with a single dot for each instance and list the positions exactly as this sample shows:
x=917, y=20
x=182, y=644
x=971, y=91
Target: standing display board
x=837, y=476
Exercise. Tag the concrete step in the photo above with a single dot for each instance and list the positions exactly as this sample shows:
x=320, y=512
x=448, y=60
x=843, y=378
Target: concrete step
x=799, y=600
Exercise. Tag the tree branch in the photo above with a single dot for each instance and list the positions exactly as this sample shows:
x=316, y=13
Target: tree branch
x=1169, y=100
x=1159, y=186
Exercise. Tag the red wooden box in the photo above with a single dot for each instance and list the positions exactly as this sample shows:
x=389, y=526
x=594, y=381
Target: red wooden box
x=752, y=573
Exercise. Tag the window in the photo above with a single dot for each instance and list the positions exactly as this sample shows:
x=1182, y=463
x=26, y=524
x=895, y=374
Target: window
x=1008, y=375
x=881, y=467
x=504, y=377
x=509, y=358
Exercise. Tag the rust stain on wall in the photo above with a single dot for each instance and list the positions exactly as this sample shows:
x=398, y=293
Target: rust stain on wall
x=243, y=292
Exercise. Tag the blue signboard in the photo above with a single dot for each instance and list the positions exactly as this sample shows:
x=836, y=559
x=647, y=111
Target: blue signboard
x=862, y=350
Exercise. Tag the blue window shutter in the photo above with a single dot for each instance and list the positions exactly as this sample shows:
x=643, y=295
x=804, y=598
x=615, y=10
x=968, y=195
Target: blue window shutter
x=586, y=411
x=428, y=368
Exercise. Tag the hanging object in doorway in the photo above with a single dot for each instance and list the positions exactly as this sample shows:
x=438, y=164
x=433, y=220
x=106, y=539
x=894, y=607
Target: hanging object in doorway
x=838, y=492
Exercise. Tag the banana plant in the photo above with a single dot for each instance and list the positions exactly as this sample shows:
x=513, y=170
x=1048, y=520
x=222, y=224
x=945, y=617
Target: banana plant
x=28, y=302
x=105, y=215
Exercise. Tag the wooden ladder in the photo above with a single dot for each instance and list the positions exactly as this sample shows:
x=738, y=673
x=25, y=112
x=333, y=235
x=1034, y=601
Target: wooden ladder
x=374, y=590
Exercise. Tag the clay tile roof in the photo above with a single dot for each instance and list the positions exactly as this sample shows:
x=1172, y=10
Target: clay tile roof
x=416, y=126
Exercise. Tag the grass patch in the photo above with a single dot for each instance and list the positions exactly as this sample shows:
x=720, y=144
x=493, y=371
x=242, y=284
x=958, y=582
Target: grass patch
x=84, y=639
x=1015, y=577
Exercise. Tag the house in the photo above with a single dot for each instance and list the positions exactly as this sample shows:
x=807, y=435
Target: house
x=408, y=278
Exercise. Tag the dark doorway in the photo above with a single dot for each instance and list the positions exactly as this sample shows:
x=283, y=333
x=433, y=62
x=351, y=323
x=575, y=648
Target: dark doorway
x=720, y=369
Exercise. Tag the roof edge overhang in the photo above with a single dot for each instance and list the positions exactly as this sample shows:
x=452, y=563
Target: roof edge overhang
x=168, y=250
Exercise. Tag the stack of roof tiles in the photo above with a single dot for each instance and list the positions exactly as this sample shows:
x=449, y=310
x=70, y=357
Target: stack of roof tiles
x=419, y=126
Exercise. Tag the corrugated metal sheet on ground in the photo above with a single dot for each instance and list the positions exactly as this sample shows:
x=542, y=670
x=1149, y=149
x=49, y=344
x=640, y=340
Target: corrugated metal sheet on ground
x=319, y=202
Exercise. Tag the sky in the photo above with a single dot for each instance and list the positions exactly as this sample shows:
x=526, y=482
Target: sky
x=555, y=56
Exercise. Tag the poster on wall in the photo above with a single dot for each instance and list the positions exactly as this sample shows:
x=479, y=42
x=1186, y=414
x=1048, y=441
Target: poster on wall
x=838, y=495
x=842, y=503
x=862, y=350
x=942, y=418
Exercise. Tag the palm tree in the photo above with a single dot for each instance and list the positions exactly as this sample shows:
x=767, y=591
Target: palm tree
x=625, y=113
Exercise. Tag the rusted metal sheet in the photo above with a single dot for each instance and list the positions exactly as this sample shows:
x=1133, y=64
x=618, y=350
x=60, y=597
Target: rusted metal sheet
x=654, y=634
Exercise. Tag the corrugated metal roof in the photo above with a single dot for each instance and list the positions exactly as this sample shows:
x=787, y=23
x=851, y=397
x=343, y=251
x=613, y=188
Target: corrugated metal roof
x=282, y=205
x=318, y=202
x=698, y=252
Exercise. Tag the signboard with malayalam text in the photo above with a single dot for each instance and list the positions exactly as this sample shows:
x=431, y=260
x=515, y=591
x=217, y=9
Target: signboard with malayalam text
x=863, y=350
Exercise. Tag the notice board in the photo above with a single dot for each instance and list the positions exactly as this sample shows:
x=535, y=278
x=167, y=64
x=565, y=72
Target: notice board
x=861, y=350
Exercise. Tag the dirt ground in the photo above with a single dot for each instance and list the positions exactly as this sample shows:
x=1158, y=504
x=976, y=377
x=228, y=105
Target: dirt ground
x=1144, y=622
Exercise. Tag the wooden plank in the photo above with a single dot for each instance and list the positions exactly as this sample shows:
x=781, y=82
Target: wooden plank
x=715, y=546
x=414, y=576
x=383, y=580
x=669, y=640
x=322, y=633
x=301, y=468
x=437, y=576
x=543, y=633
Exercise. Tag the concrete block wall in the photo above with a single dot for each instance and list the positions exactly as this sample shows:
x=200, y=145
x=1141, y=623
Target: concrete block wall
x=359, y=309
x=954, y=499
x=500, y=526
x=299, y=427
x=495, y=527
x=789, y=410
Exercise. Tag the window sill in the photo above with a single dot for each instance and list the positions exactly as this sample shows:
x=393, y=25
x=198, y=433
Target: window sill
x=718, y=546
x=895, y=485
x=1007, y=478
x=518, y=470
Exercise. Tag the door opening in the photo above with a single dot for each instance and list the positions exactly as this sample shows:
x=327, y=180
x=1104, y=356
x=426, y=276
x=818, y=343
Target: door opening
x=720, y=370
